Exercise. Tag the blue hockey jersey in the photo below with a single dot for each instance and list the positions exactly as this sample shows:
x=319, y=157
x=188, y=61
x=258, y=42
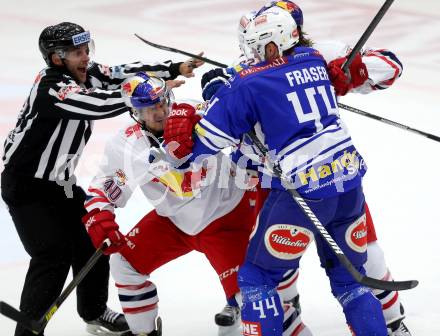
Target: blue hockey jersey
x=291, y=106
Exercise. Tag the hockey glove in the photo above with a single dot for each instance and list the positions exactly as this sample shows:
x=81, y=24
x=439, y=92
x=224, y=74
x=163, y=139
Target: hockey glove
x=179, y=128
x=343, y=84
x=101, y=225
x=213, y=80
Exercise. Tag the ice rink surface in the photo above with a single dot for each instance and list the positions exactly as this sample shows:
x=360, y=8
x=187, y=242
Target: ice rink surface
x=402, y=184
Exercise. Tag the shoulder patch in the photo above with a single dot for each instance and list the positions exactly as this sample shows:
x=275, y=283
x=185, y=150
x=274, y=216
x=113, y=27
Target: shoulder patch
x=105, y=69
x=202, y=107
x=63, y=92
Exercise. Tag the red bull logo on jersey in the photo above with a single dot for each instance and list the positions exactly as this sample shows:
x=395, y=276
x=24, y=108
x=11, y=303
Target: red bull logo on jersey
x=356, y=235
x=183, y=184
x=287, y=242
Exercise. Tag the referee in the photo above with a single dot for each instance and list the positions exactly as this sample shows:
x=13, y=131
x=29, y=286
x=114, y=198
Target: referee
x=38, y=182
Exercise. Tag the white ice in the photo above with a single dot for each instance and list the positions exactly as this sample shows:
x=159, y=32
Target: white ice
x=402, y=185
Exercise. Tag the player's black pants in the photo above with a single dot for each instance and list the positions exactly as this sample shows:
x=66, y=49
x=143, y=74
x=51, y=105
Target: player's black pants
x=50, y=228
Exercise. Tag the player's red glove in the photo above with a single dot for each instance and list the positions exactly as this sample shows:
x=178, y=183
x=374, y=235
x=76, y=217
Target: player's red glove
x=342, y=84
x=179, y=128
x=101, y=225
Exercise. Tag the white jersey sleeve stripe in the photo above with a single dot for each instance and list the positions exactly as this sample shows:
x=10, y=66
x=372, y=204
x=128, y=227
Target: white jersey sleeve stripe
x=207, y=143
x=293, y=146
x=214, y=130
x=300, y=156
x=325, y=156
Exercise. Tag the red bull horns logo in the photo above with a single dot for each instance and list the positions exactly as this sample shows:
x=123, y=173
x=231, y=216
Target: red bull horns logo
x=183, y=184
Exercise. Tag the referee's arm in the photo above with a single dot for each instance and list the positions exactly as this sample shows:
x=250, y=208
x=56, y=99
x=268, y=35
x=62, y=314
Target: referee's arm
x=68, y=100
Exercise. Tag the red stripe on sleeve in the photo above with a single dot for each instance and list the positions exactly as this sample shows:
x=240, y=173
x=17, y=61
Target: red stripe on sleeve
x=96, y=200
x=97, y=191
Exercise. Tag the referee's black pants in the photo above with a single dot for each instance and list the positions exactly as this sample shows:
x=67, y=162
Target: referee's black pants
x=50, y=228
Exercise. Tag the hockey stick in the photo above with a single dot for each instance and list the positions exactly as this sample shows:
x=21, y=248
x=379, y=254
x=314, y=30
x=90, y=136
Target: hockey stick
x=389, y=122
x=342, y=106
x=360, y=278
x=367, y=33
x=178, y=51
x=38, y=326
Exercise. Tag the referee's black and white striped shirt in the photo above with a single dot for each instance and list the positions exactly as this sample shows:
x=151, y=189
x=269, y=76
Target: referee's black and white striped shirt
x=56, y=120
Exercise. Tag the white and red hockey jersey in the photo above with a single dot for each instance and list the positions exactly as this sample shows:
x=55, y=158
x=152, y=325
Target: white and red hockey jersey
x=383, y=66
x=190, y=199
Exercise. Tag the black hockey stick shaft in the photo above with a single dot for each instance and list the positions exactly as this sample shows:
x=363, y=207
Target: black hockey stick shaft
x=343, y=106
x=389, y=122
x=38, y=326
x=178, y=51
x=367, y=33
x=362, y=279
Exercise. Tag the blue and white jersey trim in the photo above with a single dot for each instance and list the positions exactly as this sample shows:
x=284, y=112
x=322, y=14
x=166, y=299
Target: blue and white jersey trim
x=214, y=138
x=321, y=146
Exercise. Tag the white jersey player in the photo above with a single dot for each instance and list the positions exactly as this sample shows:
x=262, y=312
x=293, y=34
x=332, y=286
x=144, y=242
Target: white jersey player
x=207, y=211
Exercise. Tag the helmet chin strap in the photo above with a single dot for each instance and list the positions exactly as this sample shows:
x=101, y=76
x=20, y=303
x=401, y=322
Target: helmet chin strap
x=141, y=124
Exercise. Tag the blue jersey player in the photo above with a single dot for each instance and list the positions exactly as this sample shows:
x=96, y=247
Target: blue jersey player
x=288, y=100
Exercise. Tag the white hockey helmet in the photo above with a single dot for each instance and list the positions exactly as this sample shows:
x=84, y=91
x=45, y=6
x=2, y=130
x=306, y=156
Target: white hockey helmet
x=272, y=25
x=247, y=55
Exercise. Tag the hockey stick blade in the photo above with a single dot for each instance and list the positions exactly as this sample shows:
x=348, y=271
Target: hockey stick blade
x=174, y=50
x=14, y=314
x=372, y=282
x=388, y=285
